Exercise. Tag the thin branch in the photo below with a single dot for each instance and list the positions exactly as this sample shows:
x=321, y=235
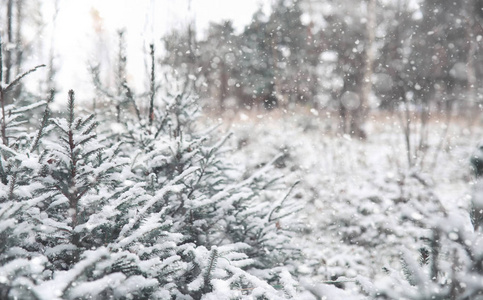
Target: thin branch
x=1, y=61
x=4, y=122
x=278, y=207
x=18, y=78
x=337, y=281
x=98, y=84
x=152, y=88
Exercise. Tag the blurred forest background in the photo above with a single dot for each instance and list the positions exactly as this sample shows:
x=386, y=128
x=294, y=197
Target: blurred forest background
x=349, y=56
x=422, y=57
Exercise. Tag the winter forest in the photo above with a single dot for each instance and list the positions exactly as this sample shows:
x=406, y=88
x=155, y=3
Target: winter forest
x=318, y=149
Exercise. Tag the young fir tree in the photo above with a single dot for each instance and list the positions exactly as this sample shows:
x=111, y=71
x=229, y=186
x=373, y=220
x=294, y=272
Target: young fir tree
x=53, y=195
x=19, y=164
x=182, y=179
x=162, y=216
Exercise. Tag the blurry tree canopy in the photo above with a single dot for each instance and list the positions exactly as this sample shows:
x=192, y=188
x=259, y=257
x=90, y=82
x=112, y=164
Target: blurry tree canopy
x=352, y=57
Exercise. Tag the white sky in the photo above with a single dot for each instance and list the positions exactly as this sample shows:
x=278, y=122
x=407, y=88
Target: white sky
x=145, y=21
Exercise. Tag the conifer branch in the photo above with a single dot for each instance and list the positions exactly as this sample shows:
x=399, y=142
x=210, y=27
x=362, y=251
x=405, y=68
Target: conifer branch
x=18, y=78
x=435, y=247
x=160, y=194
x=207, y=278
x=278, y=207
x=89, y=153
x=337, y=281
x=44, y=123
x=59, y=127
x=80, y=268
x=98, y=84
x=70, y=106
x=77, y=124
x=163, y=122
x=3, y=175
x=130, y=97
x=87, y=120
x=220, y=144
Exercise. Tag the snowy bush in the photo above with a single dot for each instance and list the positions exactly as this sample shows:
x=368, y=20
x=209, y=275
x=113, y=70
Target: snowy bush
x=363, y=206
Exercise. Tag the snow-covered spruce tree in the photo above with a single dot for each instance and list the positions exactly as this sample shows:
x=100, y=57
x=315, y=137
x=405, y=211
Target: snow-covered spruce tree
x=80, y=174
x=209, y=207
x=49, y=197
x=231, y=239
x=19, y=164
x=164, y=215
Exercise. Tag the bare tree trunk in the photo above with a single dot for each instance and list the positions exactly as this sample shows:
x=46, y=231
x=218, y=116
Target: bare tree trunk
x=8, y=48
x=52, y=70
x=366, y=86
x=18, y=36
x=442, y=139
x=277, y=87
x=425, y=113
x=405, y=120
x=18, y=47
x=343, y=117
x=223, y=85
x=191, y=55
x=470, y=62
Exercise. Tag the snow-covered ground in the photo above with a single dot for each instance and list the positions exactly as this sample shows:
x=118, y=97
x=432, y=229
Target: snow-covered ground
x=363, y=205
